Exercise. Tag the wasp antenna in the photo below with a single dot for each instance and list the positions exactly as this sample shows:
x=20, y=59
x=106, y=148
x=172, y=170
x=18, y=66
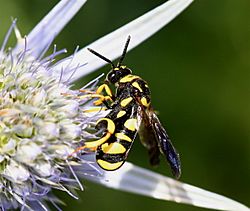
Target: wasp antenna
x=124, y=51
x=102, y=57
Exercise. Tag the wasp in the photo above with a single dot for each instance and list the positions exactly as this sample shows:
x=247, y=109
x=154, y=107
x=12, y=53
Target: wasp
x=131, y=113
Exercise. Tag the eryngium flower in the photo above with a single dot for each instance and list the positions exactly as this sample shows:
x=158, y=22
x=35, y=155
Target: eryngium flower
x=40, y=125
x=42, y=121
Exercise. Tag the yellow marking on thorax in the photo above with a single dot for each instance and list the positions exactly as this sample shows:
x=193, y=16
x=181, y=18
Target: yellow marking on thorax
x=113, y=148
x=120, y=114
x=128, y=78
x=136, y=85
x=123, y=137
x=110, y=124
x=109, y=166
x=145, y=102
x=116, y=68
x=131, y=124
x=126, y=101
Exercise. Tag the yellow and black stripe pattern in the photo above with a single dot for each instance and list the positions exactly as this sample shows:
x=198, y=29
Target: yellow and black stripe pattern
x=124, y=114
x=130, y=112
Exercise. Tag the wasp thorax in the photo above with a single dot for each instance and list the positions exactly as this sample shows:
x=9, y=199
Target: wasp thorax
x=117, y=73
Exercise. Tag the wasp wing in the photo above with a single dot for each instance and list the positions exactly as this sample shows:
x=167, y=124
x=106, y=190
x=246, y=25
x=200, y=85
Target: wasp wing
x=155, y=138
x=166, y=145
x=147, y=137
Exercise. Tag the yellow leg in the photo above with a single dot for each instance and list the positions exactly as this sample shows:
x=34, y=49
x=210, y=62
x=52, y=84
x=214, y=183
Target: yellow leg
x=96, y=109
x=98, y=94
x=91, y=96
x=108, y=97
x=101, y=99
x=99, y=90
x=86, y=91
x=106, y=88
x=92, y=146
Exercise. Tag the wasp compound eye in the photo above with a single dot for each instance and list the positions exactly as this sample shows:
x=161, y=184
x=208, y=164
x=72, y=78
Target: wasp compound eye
x=113, y=77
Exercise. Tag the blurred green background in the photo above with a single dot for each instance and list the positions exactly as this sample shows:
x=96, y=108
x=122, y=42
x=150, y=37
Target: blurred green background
x=198, y=68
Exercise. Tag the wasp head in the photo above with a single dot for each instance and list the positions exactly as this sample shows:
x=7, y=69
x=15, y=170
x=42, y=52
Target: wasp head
x=115, y=74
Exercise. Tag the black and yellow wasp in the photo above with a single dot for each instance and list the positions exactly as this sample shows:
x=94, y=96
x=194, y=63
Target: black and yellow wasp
x=131, y=113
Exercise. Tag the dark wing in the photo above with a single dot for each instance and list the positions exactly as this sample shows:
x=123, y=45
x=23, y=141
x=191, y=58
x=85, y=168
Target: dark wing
x=147, y=137
x=166, y=145
x=153, y=134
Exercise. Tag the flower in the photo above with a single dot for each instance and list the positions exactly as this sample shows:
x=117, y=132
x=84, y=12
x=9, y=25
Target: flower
x=41, y=124
x=43, y=120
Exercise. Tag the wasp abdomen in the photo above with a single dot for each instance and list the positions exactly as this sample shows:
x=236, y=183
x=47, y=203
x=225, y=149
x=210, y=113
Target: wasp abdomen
x=112, y=154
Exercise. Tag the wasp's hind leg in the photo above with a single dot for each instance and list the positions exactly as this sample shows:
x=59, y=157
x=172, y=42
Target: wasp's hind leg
x=105, y=124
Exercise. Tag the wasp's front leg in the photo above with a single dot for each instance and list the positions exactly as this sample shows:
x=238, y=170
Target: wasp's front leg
x=103, y=99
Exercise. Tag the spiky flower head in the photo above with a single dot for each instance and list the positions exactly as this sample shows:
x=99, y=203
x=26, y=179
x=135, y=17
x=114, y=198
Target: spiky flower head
x=40, y=125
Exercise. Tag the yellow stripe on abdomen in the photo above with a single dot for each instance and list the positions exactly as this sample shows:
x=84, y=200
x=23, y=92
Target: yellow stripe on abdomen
x=123, y=137
x=131, y=124
x=120, y=114
x=113, y=148
x=145, y=102
x=136, y=85
x=109, y=166
x=126, y=101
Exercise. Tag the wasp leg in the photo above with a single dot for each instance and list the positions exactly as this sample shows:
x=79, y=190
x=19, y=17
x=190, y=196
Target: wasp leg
x=97, y=94
x=99, y=90
x=96, y=109
x=86, y=91
x=92, y=145
x=104, y=100
x=106, y=88
x=90, y=95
